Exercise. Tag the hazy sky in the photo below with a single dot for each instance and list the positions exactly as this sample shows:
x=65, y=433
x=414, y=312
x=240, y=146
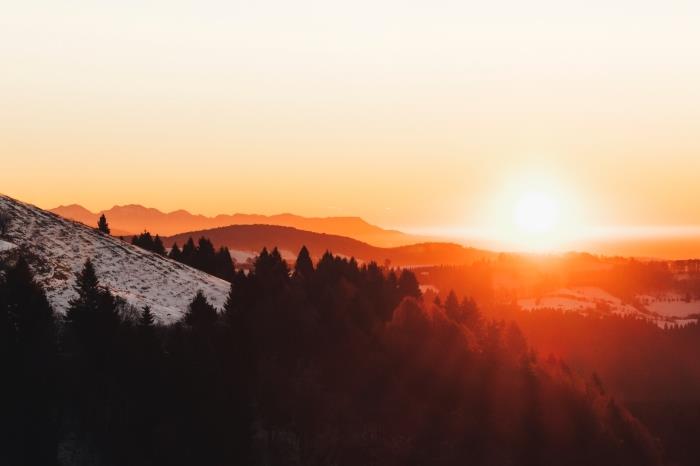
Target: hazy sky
x=411, y=114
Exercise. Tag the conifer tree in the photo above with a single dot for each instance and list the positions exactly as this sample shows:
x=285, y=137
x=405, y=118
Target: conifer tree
x=304, y=267
x=469, y=313
x=88, y=300
x=452, y=306
x=271, y=271
x=224, y=265
x=158, y=246
x=205, y=257
x=102, y=224
x=408, y=284
x=175, y=253
x=189, y=252
x=147, y=319
x=239, y=297
x=144, y=241
x=27, y=306
x=28, y=359
x=200, y=314
x=93, y=314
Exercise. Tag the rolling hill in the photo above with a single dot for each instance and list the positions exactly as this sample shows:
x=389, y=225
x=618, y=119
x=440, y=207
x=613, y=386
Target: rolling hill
x=57, y=249
x=250, y=239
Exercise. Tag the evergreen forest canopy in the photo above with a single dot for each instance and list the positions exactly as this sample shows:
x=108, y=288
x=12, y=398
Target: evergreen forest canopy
x=332, y=363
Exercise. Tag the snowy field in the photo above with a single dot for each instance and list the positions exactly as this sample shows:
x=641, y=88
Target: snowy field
x=578, y=299
x=670, y=305
x=661, y=309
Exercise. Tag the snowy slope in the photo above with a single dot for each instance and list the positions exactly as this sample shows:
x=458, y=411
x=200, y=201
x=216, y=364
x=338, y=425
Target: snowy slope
x=585, y=299
x=60, y=248
x=670, y=305
x=579, y=298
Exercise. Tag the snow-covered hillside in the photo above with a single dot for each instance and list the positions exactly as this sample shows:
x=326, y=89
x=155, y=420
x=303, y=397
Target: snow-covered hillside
x=579, y=298
x=585, y=299
x=58, y=249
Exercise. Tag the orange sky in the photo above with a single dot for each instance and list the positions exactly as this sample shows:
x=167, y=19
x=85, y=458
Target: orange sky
x=411, y=114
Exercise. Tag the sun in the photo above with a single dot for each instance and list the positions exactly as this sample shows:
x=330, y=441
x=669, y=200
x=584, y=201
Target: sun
x=533, y=211
x=536, y=213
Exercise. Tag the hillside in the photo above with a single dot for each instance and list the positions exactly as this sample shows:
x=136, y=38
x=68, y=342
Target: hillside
x=131, y=219
x=245, y=240
x=57, y=248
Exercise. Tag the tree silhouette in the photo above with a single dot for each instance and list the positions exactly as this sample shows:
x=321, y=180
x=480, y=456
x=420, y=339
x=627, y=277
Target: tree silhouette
x=93, y=315
x=102, y=224
x=349, y=367
x=175, y=253
x=303, y=267
x=223, y=266
x=408, y=284
x=158, y=246
x=28, y=354
x=205, y=257
x=452, y=306
x=200, y=314
x=189, y=251
x=88, y=299
x=146, y=318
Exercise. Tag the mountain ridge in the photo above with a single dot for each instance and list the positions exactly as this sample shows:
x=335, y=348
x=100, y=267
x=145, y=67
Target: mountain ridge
x=132, y=219
x=253, y=238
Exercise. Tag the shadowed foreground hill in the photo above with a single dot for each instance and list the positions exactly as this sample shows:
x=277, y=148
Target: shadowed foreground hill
x=253, y=238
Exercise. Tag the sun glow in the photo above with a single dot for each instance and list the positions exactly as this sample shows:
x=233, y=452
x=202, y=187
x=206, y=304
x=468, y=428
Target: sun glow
x=536, y=213
x=532, y=211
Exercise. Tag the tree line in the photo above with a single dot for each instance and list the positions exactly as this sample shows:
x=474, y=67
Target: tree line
x=332, y=363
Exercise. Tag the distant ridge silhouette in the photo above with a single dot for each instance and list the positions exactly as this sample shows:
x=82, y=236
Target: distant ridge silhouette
x=253, y=238
x=132, y=219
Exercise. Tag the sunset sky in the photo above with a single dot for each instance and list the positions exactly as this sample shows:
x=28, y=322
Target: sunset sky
x=418, y=115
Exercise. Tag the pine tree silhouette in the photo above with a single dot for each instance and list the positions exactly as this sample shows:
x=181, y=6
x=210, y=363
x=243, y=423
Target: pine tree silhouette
x=452, y=306
x=158, y=246
x=200, y=314
x=102, y=224
x=408, y=284
x=87, y=287
x=224, y=266
x=175, y=253
x=28, y=355
x=304, y=267
x=147, y=319
x=93, y=315
x=189, y=252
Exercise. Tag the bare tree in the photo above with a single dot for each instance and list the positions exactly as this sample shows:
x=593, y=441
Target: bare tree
x=4, y=222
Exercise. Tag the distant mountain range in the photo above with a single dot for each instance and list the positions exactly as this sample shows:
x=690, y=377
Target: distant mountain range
x=247, y=234
x=57, y=249
x=250, y=239
x=132, y=219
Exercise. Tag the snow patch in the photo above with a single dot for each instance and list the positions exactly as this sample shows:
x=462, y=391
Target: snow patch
x=579, y=299
x=5, y=246
x=660, y=309
x=670, y=305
